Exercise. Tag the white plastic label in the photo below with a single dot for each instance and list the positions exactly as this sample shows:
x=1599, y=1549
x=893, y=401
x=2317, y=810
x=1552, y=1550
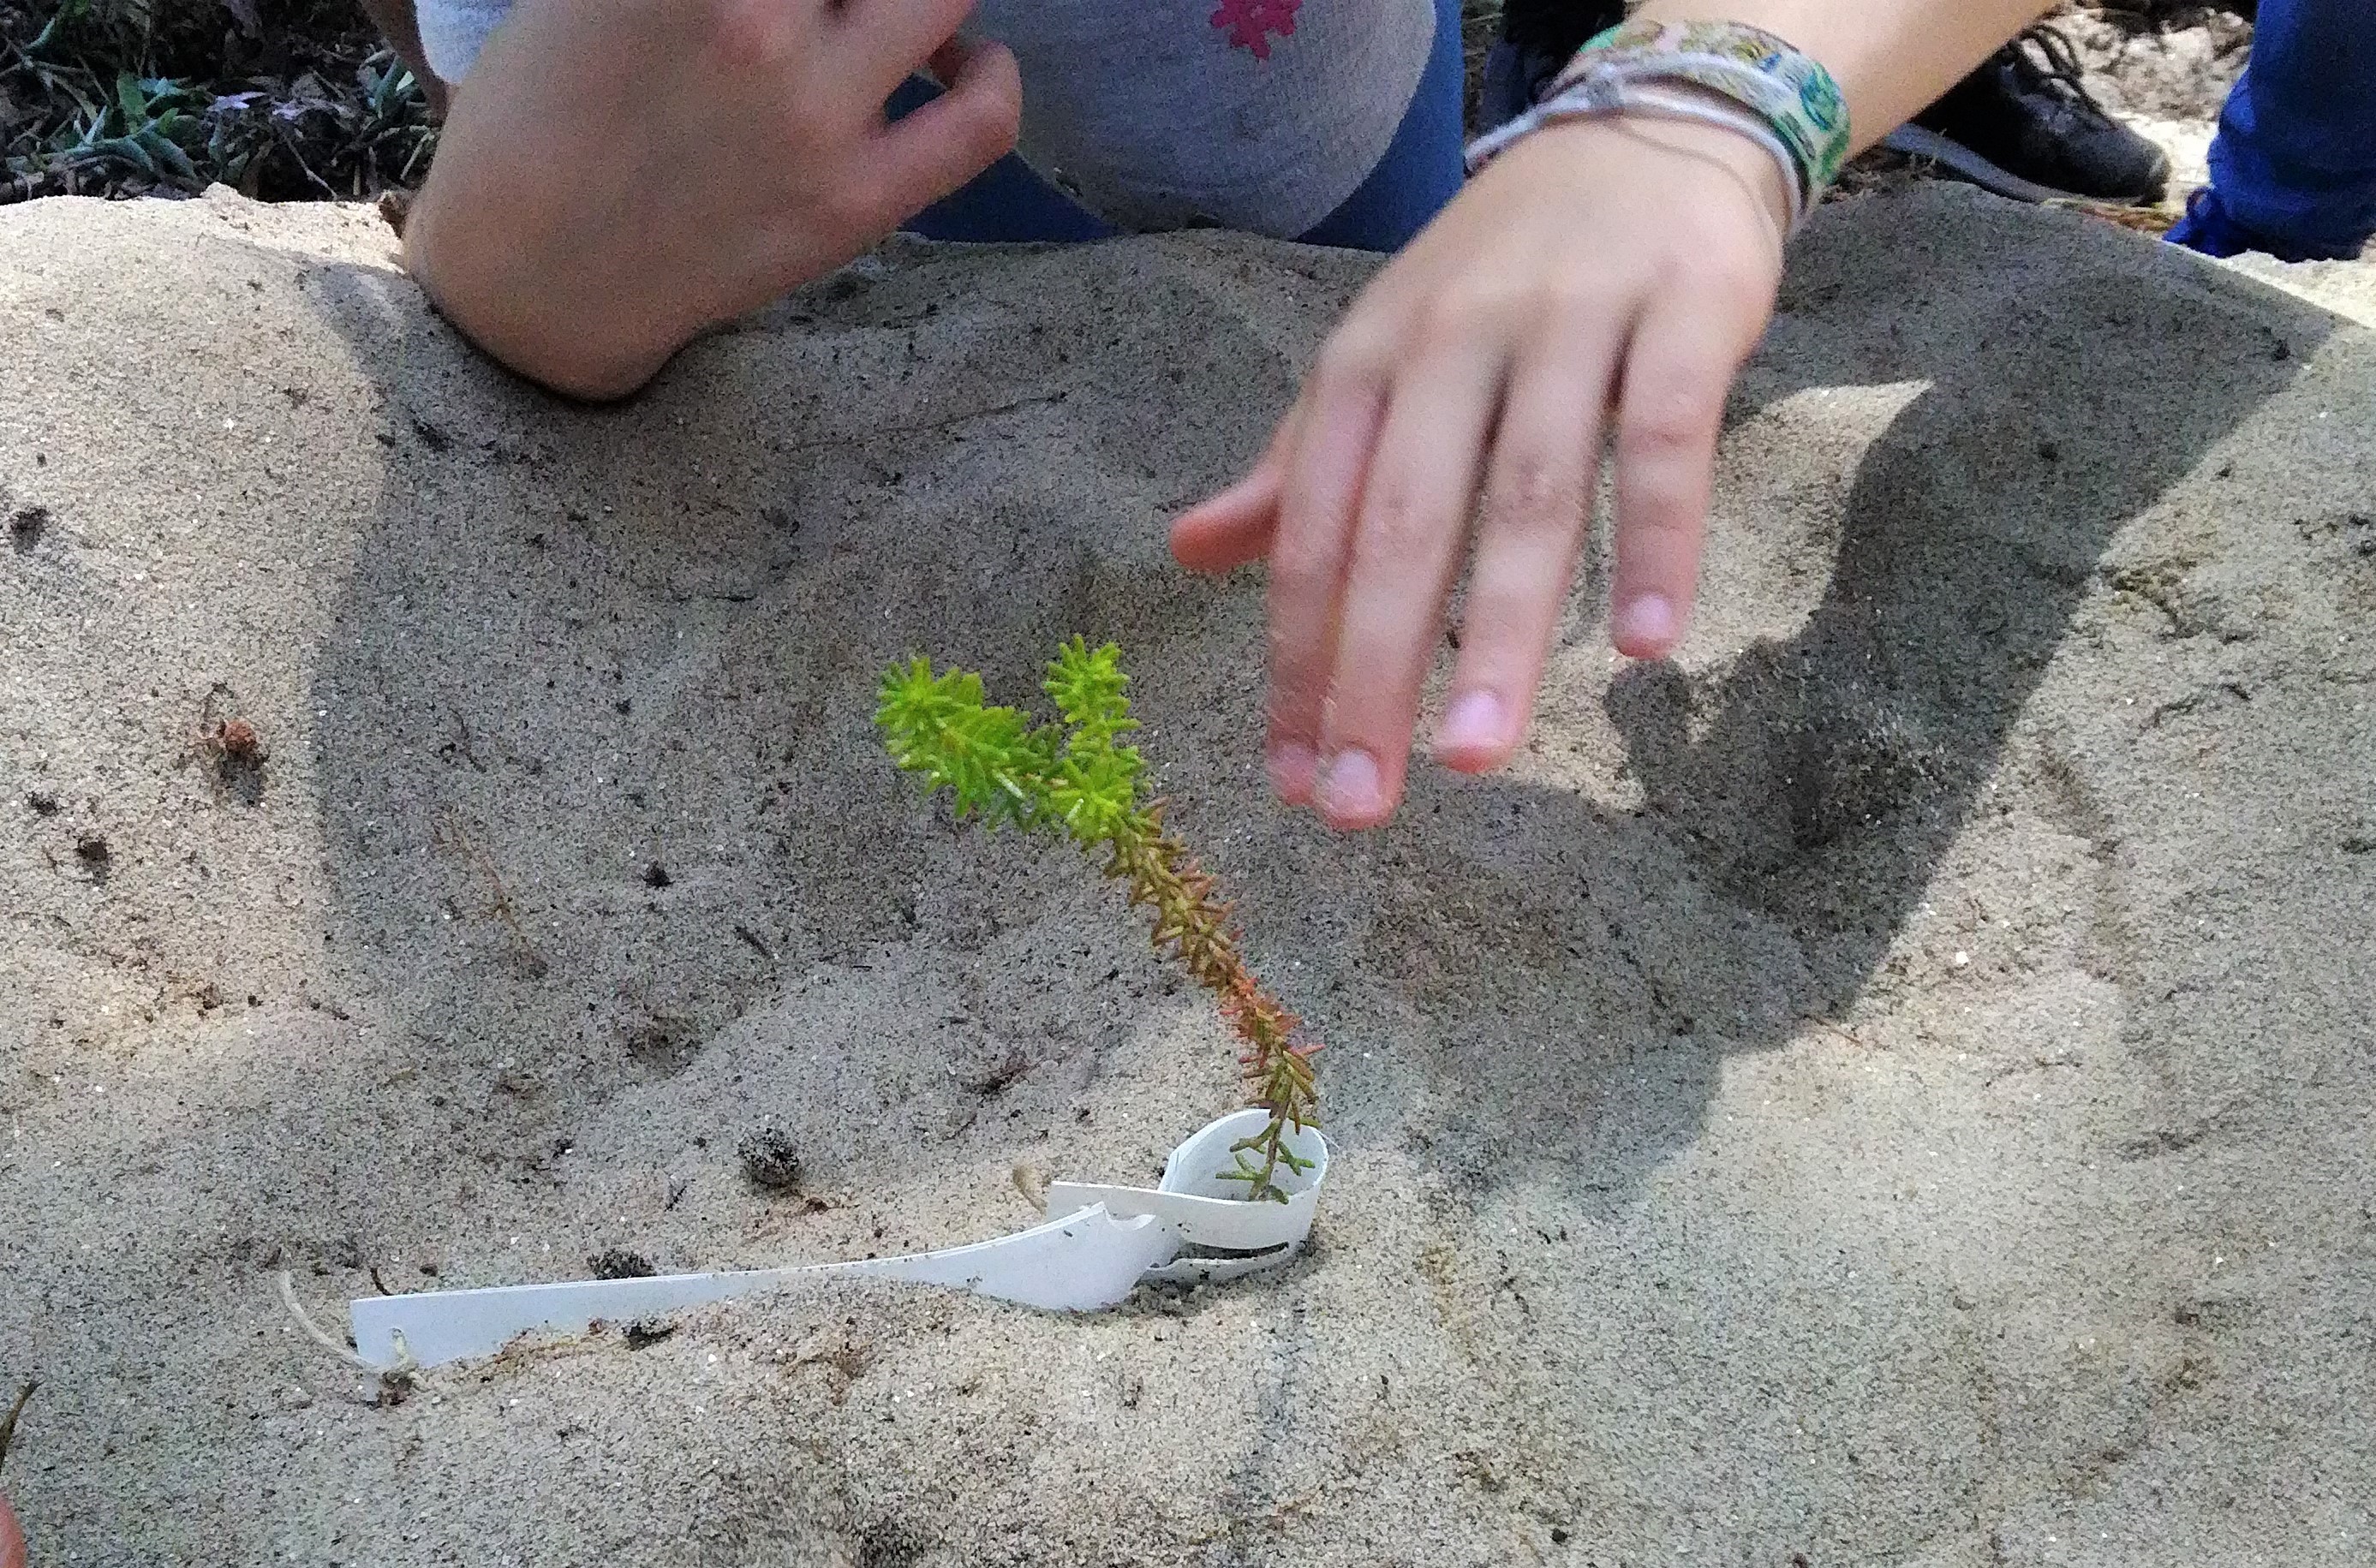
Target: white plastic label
x=1104, y=1242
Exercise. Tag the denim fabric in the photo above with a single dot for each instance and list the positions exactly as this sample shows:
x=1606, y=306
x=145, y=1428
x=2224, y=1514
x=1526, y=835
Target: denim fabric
x=2294, y=165
x=1421, y=170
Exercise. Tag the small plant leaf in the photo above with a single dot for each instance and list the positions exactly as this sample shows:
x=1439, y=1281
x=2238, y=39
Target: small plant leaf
x=1076, y=779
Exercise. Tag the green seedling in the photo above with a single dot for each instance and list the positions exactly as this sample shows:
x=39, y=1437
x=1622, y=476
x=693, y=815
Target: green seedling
x=1076, y=779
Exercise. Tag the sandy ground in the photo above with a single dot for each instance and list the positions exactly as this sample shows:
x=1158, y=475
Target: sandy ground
x=1891, y=1087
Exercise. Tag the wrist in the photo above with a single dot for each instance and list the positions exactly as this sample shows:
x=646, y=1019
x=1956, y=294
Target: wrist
x=526, y=297
x=1711, y=160
x=1748, y=163
x=1725, y=75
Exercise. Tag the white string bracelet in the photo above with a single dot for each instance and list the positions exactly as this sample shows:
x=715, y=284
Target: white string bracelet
x=1607, y=98
x=1724, y=73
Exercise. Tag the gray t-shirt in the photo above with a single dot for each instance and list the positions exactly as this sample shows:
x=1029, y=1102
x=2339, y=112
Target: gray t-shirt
x=1261, y=115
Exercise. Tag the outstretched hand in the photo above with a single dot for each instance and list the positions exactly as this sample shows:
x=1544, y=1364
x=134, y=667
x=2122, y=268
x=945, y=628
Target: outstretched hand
x=613, y=179
x=1597, y=279
x=12, y=1540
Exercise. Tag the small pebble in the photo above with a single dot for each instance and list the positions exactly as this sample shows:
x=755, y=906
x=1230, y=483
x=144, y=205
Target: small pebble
x=769, y=1159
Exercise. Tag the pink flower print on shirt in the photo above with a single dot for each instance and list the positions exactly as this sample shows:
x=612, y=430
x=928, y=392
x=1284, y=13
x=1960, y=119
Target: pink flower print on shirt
x=1251, y=23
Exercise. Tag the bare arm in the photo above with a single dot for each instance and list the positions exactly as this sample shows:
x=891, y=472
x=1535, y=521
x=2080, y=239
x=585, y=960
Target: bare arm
x=1891, y=57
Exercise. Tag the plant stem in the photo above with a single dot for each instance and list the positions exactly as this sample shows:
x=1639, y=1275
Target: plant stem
x=8, y=1422
x=1191, y=924
x=1079, y=779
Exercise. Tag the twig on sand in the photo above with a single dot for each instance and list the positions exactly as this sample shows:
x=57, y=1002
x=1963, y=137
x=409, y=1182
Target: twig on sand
x=1031, y=1184
x=1842, y=1030
x=395, y=1381
x=9, y=1425
x=315, y=1331
x=450, y=833
x=963, y=416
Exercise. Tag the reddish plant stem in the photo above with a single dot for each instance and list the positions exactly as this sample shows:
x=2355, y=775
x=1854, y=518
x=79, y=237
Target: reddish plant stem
x=1190, y=923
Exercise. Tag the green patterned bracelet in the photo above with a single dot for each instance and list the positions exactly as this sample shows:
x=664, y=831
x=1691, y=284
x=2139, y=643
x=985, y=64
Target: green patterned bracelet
x=1721, y=73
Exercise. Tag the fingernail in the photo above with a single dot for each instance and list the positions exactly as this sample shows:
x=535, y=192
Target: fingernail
x=1349, y=789
x=1648, y=621
x=1474, y=722
x=1294, y=767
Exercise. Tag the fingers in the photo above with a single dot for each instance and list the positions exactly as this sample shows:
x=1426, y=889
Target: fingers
x=1681, y=359
x=1537, y=505
x=1236, y=525
x=1319, y=493
x=1413, y=525
x=947, y=62
x=1232, y=528
x=1372, y=501
x=893, y=38
x=917, y=160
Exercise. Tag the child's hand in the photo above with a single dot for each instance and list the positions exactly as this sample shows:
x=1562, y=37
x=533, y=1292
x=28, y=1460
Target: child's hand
x=613, y=179
x=1597, y=275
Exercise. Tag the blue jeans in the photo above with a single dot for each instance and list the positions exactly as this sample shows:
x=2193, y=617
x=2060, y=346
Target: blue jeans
x=2294, y=165
x=1421, y=171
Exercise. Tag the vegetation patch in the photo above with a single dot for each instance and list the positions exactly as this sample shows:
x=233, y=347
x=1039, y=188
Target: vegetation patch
x=281, y=99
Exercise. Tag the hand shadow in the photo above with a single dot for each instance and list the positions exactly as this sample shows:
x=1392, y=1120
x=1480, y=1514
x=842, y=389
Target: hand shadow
x=657, y=629
x=1583, y=979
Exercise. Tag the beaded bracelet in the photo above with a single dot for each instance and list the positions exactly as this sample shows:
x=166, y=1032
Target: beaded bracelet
x=1724, y=73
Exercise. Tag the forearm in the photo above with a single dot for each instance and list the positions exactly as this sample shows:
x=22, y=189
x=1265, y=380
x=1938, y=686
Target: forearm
x=619, y=175
x=547, y=232
x=1891, y=57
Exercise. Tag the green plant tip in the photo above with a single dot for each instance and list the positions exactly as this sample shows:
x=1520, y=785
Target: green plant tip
x=1076, y=777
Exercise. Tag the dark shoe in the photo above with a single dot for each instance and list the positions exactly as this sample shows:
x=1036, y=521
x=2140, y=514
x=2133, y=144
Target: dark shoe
x=2025, y=126
x=1538, y=38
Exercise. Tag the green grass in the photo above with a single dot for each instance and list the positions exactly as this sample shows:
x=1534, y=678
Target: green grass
x=282, y=99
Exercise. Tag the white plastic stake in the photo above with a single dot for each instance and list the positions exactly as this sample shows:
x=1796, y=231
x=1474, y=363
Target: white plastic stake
x=1107, y=1240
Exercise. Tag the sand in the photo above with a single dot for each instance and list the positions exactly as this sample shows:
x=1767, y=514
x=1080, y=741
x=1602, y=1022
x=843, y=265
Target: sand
x=1891, y=1087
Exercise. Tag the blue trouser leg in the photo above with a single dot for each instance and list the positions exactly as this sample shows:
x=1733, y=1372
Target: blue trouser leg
x=1421, y=170
x=2295, y=159
x=1420, y=173
x=1007, y=202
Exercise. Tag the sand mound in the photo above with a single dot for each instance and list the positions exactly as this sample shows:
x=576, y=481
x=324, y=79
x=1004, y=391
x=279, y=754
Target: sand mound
x=1893, y=1087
